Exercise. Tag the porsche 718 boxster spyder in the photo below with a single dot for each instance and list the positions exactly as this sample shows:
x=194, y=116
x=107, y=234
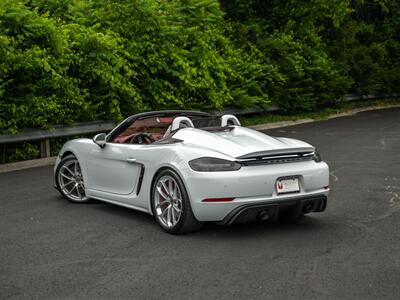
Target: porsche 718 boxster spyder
x=186, y=168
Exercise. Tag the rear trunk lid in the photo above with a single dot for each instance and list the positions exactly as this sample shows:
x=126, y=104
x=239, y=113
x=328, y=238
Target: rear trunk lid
x=242, y=143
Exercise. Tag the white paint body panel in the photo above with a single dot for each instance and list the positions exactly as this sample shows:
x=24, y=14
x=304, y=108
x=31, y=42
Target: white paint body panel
x=108, y=176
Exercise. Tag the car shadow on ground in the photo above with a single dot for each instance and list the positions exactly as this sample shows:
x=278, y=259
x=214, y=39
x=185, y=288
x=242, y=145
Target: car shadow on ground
x=308, y=224
x=281, y=227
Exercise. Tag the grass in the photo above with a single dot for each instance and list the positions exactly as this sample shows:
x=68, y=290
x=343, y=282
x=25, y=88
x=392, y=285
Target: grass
x=271, y=117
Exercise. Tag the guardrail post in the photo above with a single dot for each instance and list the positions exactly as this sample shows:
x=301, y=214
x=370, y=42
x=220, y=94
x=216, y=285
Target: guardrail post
x=45, y=148
x=3, y=154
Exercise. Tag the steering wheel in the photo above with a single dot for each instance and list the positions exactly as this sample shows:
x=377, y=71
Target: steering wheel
x=142, y=138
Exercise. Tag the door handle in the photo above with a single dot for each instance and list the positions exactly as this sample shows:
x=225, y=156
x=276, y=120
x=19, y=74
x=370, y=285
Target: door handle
x=131, y=160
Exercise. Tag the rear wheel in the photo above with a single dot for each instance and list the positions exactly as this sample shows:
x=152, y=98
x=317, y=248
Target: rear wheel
x=69, y=180
x=171, y=205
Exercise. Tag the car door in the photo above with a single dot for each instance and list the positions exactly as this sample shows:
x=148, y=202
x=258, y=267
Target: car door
x=113, y=169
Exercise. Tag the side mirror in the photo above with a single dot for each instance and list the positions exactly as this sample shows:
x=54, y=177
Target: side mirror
x=100, y=139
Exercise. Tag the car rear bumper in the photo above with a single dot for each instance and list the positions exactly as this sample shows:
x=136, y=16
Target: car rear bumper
x=254, y=185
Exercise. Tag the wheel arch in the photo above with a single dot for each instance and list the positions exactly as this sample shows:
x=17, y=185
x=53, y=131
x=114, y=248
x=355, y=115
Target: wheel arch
x=66, y=153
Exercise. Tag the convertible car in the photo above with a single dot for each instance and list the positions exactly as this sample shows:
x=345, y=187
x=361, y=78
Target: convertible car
x=186, y=168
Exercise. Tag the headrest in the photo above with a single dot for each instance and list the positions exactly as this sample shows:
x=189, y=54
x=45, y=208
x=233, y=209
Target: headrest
x=181, y=122
x=226, y=119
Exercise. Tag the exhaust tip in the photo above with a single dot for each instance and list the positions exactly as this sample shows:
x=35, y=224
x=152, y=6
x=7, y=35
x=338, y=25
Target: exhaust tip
x=263, y=215
x=308, y=208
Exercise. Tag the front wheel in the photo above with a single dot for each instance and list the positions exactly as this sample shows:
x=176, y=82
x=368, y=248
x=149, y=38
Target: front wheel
x=171, y=205
x=69, y=180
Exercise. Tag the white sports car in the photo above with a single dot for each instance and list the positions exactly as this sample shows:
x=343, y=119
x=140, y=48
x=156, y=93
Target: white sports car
x=187, y=167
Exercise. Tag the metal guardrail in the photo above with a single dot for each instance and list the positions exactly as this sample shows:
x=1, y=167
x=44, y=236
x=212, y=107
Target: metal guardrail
x=44, y=136
x=28, y=135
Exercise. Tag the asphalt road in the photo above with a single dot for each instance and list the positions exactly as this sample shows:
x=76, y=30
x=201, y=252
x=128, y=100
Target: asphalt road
x=50, y=248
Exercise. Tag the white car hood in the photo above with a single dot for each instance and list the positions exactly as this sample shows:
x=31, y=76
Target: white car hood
x=241, y=142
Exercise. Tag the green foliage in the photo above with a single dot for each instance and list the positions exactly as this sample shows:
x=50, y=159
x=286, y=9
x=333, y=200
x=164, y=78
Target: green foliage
x=323, y=49
x=63, y=61
x=366, y=47
x=288, y=33
x=22, y=151
x=35, y=87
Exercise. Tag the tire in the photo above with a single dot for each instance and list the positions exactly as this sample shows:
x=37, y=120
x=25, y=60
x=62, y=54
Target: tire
x=69, y=180
x=169, y=193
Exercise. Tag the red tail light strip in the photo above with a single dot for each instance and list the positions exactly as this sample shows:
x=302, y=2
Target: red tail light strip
x=217, y=199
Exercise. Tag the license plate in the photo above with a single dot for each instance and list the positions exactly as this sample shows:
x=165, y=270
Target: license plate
x=287, y=185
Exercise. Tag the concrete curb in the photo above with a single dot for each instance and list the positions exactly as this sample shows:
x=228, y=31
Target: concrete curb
x=41, y=162
x=26, y=164
x=261, y=127
x=334, y=116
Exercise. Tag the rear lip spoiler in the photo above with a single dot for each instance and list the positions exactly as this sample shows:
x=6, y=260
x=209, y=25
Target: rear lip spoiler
x=276, y=152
